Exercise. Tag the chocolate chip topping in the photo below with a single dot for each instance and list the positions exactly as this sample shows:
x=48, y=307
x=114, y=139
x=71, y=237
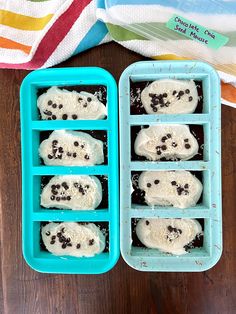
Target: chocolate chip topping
x=58, y=199
x=190, y=98
x=59, y=234
x=173, y=182
x=54, y=142
x=78, y=246
x=74, y=116
x=86, y=157
x=64, y=116
x=79, y=99
x=54, y=105
x=154, y=109
x=156, y=181
x=89, y=99
x=168, y=135
x=187, y=146
x=76, y=143
x=48, y=233
x=58, y=186
x=181, y=93
x=147, y=222
x=63, y=245
x=187, y=91
x=52, y=242
x=52, y=197
x=149, y=185
x=186, y=186
x=60, y=149
x=74, y=155
x=91, y=242
x=68, y=154
x=54, y=117
x=164, y=138
x=53, y=237
x=174, y=92
x=174, y=144
x=50, y=156
x=60, y=106
x=65, y=186
x=49, y=103
x=163, y=147
x=85, y=105
x=165, y=95
x=69, y=244
x=63, y=230
x=186, y=139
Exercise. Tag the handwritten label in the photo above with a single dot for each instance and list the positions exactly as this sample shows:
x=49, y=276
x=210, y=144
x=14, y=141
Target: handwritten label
x=196, y=32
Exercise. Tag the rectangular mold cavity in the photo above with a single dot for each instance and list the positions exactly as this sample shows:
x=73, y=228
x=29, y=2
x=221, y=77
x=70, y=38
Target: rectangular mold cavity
x=138, y=196
x=33, y=170
x=137, y=84
x=39, y=182
x=200, y=132
x=39, y=136
x=207, y=168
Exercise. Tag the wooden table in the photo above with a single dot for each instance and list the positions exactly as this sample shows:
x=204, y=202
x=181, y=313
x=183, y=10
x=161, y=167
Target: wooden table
x=122, y=290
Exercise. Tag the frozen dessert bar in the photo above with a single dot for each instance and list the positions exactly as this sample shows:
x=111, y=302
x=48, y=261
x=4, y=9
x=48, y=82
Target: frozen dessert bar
x=60, y=104
x=71, y=148
x=170, y=97
x=168, y=235
x=170, y=141
x=77, y=192
x=180, y=189
x=72, y=238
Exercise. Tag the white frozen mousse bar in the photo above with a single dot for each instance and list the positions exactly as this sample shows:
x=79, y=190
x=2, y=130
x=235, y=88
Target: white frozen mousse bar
x=74, y=239
x=168, y=235
x=61, y=104
x=170, y=97
x=77, y=192
x=170, y=141
x=71, y=148
x=180, y=189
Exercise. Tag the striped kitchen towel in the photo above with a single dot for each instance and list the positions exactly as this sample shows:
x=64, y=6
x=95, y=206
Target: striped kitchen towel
x=140, y=25
x=41, y=33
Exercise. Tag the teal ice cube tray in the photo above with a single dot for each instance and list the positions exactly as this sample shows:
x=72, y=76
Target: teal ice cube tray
x=209, y=210
x=33, y=171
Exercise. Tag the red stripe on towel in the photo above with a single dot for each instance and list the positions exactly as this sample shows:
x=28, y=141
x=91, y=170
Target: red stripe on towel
x=53, y=37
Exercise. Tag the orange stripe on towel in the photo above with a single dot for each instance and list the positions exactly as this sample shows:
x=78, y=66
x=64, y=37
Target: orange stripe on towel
x=228, y=92
x=10, y=44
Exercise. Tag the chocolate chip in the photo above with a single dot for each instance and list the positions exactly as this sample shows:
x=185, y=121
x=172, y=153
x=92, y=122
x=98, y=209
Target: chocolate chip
x=85, y=105
x=69, y=244
x=186, y=186
x=187, y=146
x=50, y=156
x=158, y=152
x=79, y=99
x=59, y=156
x=47, y=113
x=162, y=105
x=61, y=239
x=181, y=93
x=64, y=198
x=149, y=185
x=82, y=146
x=167, y=104
x=186, y=139
x=187, y=91
x=76, y=184
x=53, y=237
x=49, y=118
x=158, y=147
x=58, y=198
x=68, y=198
x=154, y=109
x=63, y=230
x=74, y=155
x=60, y=106
x=163, y=147
x=52, y=197
x=54, y=192
x=168, y=135
x=164, y=138
x=170, y=228
x=180, y=231
x=91, y=242
x=64, y=245
x=87, y=186
x=156, y=181
x=174, y=144
x=54, y=142
x=64, y=116
x=54, y=105
x=89, y=99
x=65, y=186
x=78, y=246
x=173, y=182
x=86, y=157
x=68, y=240
x=59, y=234
x=61, y=150
x=165, y=95
x=68, y=154
x=53, y=186
x=54, y=117
x=76, y=143
x=74, y=116
x=52, y=242
x=49, y=103
x=147, y=222
x=174, y=92
x=48, y=233
x=190, y=98
x=58, y=186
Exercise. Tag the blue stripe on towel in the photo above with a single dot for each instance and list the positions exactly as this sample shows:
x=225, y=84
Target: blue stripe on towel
x=93, y=37
x=197, y=6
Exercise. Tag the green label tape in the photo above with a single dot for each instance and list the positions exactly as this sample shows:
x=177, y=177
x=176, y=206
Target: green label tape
x=196, y=32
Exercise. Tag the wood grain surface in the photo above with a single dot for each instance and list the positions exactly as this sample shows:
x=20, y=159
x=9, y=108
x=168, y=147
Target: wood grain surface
x=122, y=290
